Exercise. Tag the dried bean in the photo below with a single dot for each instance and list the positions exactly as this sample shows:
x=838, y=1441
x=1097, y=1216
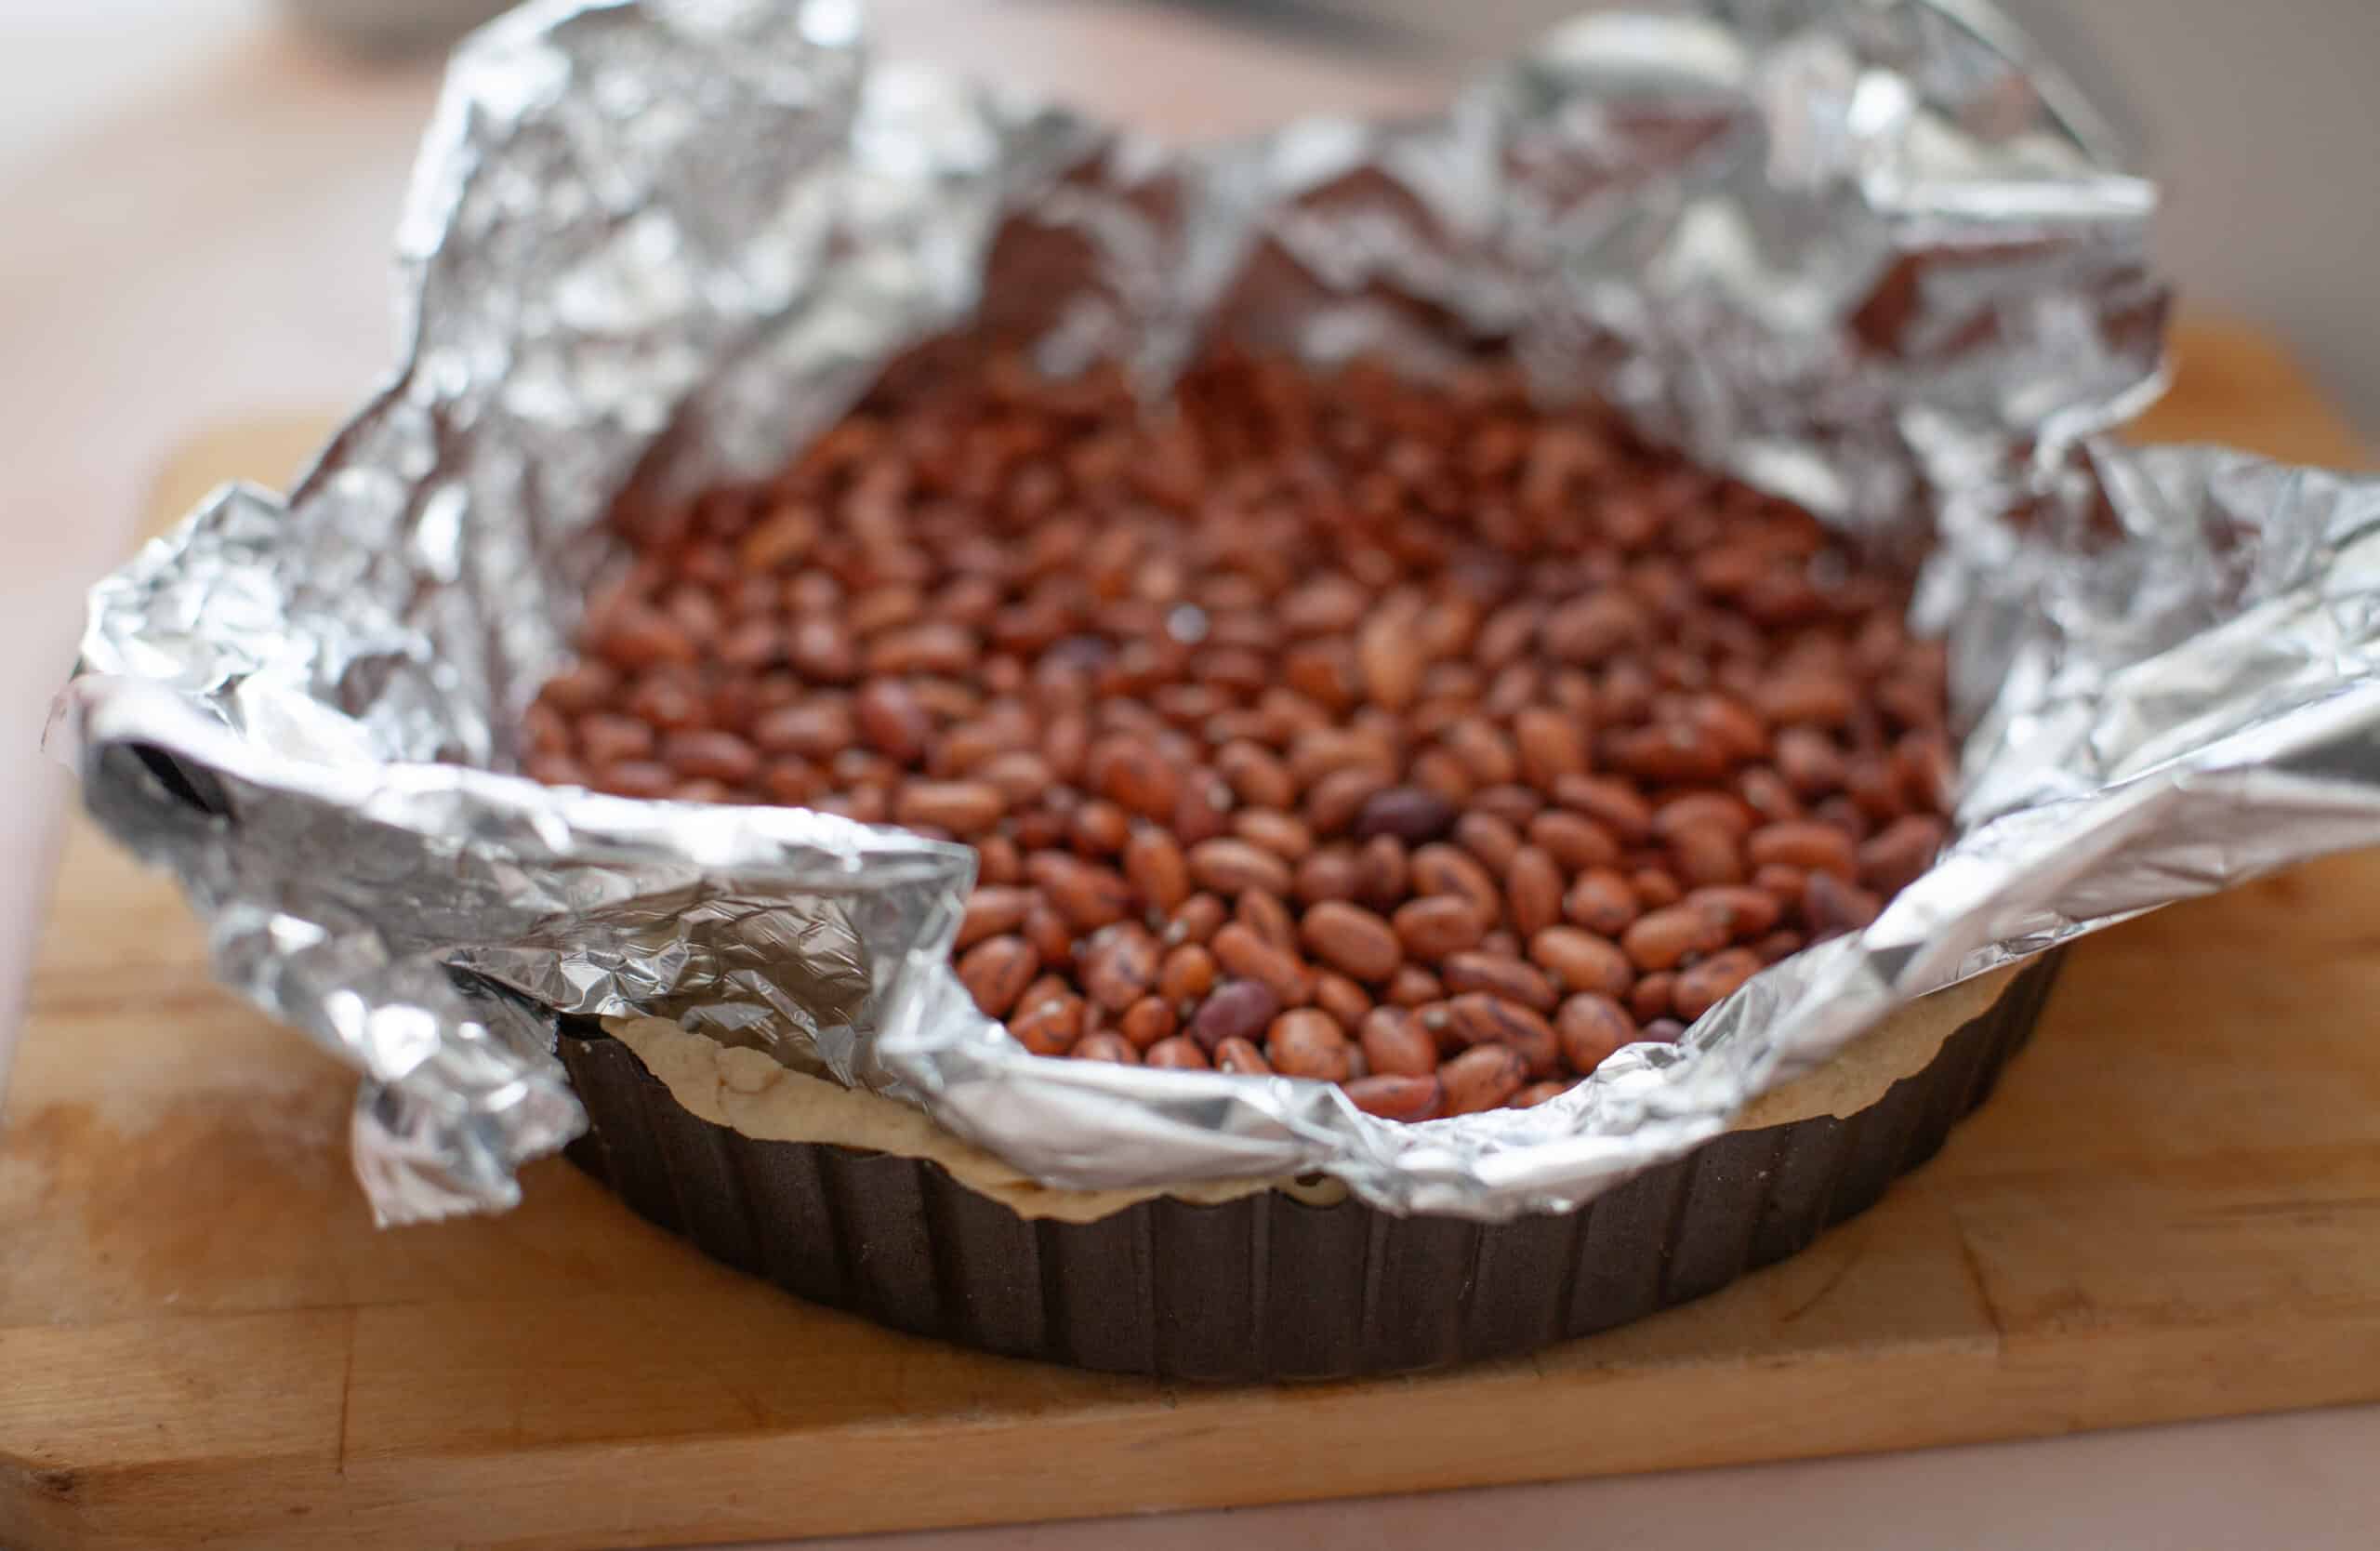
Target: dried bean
x=1176, y=1053
x=1107, y=1046
x=1395, y=1043
x=1414, y=987
x=1352, y=939
x=1590, y=1026
x=1395, y=678
x=1148, y=1021
x=1231, y=866
x=1306, y=1042
x=1245, y=954
x=1705, y=985
x=997, y=971
x=1602, y=902
x=1498, y=975
x=1241, y=1056
x=1579, y=961
x=1484, y=1077
x=1532, y=891
x=1398, y=1097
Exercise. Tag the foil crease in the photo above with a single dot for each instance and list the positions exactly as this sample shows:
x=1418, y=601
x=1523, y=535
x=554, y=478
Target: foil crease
x=1866, y=253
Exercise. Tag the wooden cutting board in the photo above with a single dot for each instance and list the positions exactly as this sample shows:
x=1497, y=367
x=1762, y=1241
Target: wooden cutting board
x=2171, y=1208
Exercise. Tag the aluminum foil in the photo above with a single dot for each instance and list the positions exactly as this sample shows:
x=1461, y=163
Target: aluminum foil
x=1864, y=253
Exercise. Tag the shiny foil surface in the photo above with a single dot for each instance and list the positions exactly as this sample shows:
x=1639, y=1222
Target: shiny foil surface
x=1865, y=253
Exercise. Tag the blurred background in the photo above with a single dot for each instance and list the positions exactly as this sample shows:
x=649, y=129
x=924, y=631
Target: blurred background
x=198, y=196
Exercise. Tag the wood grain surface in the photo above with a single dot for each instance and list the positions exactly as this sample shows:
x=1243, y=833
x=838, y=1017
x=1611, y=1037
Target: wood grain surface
x=2171, y=1208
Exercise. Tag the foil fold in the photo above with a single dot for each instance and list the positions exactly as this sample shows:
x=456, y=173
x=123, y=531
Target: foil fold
x=1868, y=253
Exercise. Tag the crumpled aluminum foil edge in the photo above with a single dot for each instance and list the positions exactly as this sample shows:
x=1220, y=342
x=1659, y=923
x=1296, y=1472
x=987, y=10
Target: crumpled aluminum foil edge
x=1861, y=252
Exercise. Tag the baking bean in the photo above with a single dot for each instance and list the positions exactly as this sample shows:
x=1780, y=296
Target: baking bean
x=1665, y=1031
x=1155, y=866
x=1576, y=842
x=584, y=686
x=1741, y=909
x=1703, y=985
x=1118, y=964
x=1413, y=1097
x=1655, y=889
x=1231, y=866
x=1257, y=776
x=992, y=911
x=1704, y=810
x=1245, y=954
x=1241, y=1056
x=1342, y=998
x=1590, y=1026
x=636, y=779
x=1203, y=810
x=1592, y=629
x=1436, y=925
x=1268, y=918
x=1580, y=961
x=1660, y=940
x=1611, y=803
x=1048, y=1025
x=1414, y=987
x=1532, y=891
x=1236, y=1010
x=1500, y=975
x=1098, y=829
x=1440, y=774
x=1652, y=995
x=1414, y=814
x=1331, y=873
x=1551, y=743
x=1485, y=752
x=891, y=718
x=1186, y=974
x=1353, y=650
x=1831, y=907
x=1767, y=794
x=1894, y=856
x=1484, y=1077
x=1704, y=856
x=1840, y=812
x=996, y=971
x=1803, y=843
x=637, y=637
x=1538, y=1092
x=669, y=700
x=1307, y=1043
x=1283, y=834
x=961, y=807
x=1087, y=895
x=815, y=729
x=1488, y=838
x=1106, y=1046
x=1176, y=1053
x=1352, y=939
x=1477, y=1017
x=1395, y=1043
x=1194, y=920
x=1810, y=763
x=1128, y=771
x=1440, y=868
x=1149, y=1021
x=1601, y=901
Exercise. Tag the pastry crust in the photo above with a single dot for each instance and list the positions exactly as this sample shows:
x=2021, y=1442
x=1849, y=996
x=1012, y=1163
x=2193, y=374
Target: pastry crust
x=748, y=1091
